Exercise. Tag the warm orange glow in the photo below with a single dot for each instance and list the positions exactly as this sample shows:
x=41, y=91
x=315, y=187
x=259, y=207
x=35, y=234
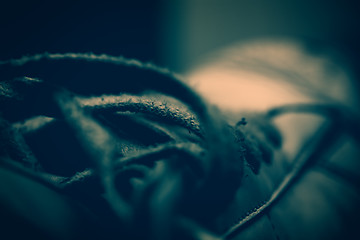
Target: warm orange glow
x=241, y=90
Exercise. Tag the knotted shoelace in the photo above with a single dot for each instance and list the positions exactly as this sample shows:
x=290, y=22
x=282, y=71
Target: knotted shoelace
x=137, y=136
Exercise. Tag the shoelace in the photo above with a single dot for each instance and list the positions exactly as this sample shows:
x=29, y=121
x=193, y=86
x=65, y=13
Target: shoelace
x=216, y=154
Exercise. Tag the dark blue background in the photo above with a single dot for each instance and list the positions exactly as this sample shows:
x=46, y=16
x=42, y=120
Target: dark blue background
x=155, y=30
x=128, y=28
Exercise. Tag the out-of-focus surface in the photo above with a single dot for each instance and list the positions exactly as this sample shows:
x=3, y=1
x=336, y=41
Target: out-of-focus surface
x=272, y=72
x=198, y=27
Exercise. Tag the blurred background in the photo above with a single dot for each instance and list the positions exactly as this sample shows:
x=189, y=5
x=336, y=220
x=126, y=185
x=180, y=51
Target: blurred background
x=199, y=26
x=176, y=33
